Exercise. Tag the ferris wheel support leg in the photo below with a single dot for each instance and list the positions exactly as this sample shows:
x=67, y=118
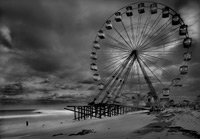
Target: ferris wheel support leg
x=147, y=79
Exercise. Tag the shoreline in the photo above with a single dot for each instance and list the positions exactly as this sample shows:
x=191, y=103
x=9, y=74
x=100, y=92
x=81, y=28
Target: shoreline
x=22, y=113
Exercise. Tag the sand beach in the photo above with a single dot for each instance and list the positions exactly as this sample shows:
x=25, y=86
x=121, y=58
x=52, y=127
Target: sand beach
x=176, y=123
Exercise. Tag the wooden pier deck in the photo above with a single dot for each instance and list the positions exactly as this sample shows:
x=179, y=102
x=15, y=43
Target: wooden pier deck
x=99, y=111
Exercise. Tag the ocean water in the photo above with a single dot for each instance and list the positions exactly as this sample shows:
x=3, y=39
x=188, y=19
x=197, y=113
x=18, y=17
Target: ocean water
x=16, y=120
x=27, y=113
x=16, y=112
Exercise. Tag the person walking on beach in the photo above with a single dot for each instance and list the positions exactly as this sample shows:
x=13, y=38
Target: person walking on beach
x=26, y=123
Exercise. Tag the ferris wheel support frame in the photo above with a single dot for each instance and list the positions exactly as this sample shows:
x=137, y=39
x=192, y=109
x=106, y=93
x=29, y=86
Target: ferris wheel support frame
x=147, y=79
x=128, y=59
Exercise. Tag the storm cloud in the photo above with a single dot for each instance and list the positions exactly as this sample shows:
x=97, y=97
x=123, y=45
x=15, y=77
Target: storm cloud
x=53, y=38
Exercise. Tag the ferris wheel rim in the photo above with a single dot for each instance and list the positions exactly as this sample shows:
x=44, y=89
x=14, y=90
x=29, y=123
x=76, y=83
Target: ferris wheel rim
x=137, y=3
x=181, y=23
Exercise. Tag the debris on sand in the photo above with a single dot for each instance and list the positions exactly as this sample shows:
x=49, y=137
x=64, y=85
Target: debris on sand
x=57, y=134
x=83, y=132
x=164, y=116
x=154, y=127
x=191, y=133
x=165, y=119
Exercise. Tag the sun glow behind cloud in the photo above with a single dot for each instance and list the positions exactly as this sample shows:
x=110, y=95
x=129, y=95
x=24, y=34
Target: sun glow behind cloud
x=191, y=16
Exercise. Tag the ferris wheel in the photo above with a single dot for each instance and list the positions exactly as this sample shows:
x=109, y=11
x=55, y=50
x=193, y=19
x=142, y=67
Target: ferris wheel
x=142, y=48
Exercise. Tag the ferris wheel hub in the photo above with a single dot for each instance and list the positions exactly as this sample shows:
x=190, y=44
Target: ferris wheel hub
x=134, y=53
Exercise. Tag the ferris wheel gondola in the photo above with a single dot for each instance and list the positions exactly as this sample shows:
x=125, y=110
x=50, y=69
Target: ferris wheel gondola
x=143, y=48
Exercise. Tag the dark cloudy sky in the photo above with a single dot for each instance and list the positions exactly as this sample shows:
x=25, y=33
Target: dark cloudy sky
x=51, y=39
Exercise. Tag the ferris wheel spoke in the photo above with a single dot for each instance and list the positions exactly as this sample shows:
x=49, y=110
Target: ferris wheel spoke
x=109, y=81
x=130, y=79
x=135, y=75
x=112, y=53
x=115, y=81
x=159, y=67
x=128, y=71
x=116, y=63
x=119, y=42
x=144, y=28
x=138, y=29
x=108, y=50
x=131, y=44
x=157, y=39
x=162, y=70
x=113, y=46
x=151, y=29
x=118, y=89
x=163, y=33
x=160, y=50
x=122, y=66
x=132, y=31
x=164, y=45
x=119, y=67
x=132, y=76
x=152, y=40
x=166, y=52
x=148, y=67
x=139, y=80
x=121, y=86
x=126, y=75
x=110, y=67
x=105, y=87
x=160, y=29
x=111, y=58
x=127, y=68
x=132, y=63
x=114, y=72
x=158, y=58
x=128, y=45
